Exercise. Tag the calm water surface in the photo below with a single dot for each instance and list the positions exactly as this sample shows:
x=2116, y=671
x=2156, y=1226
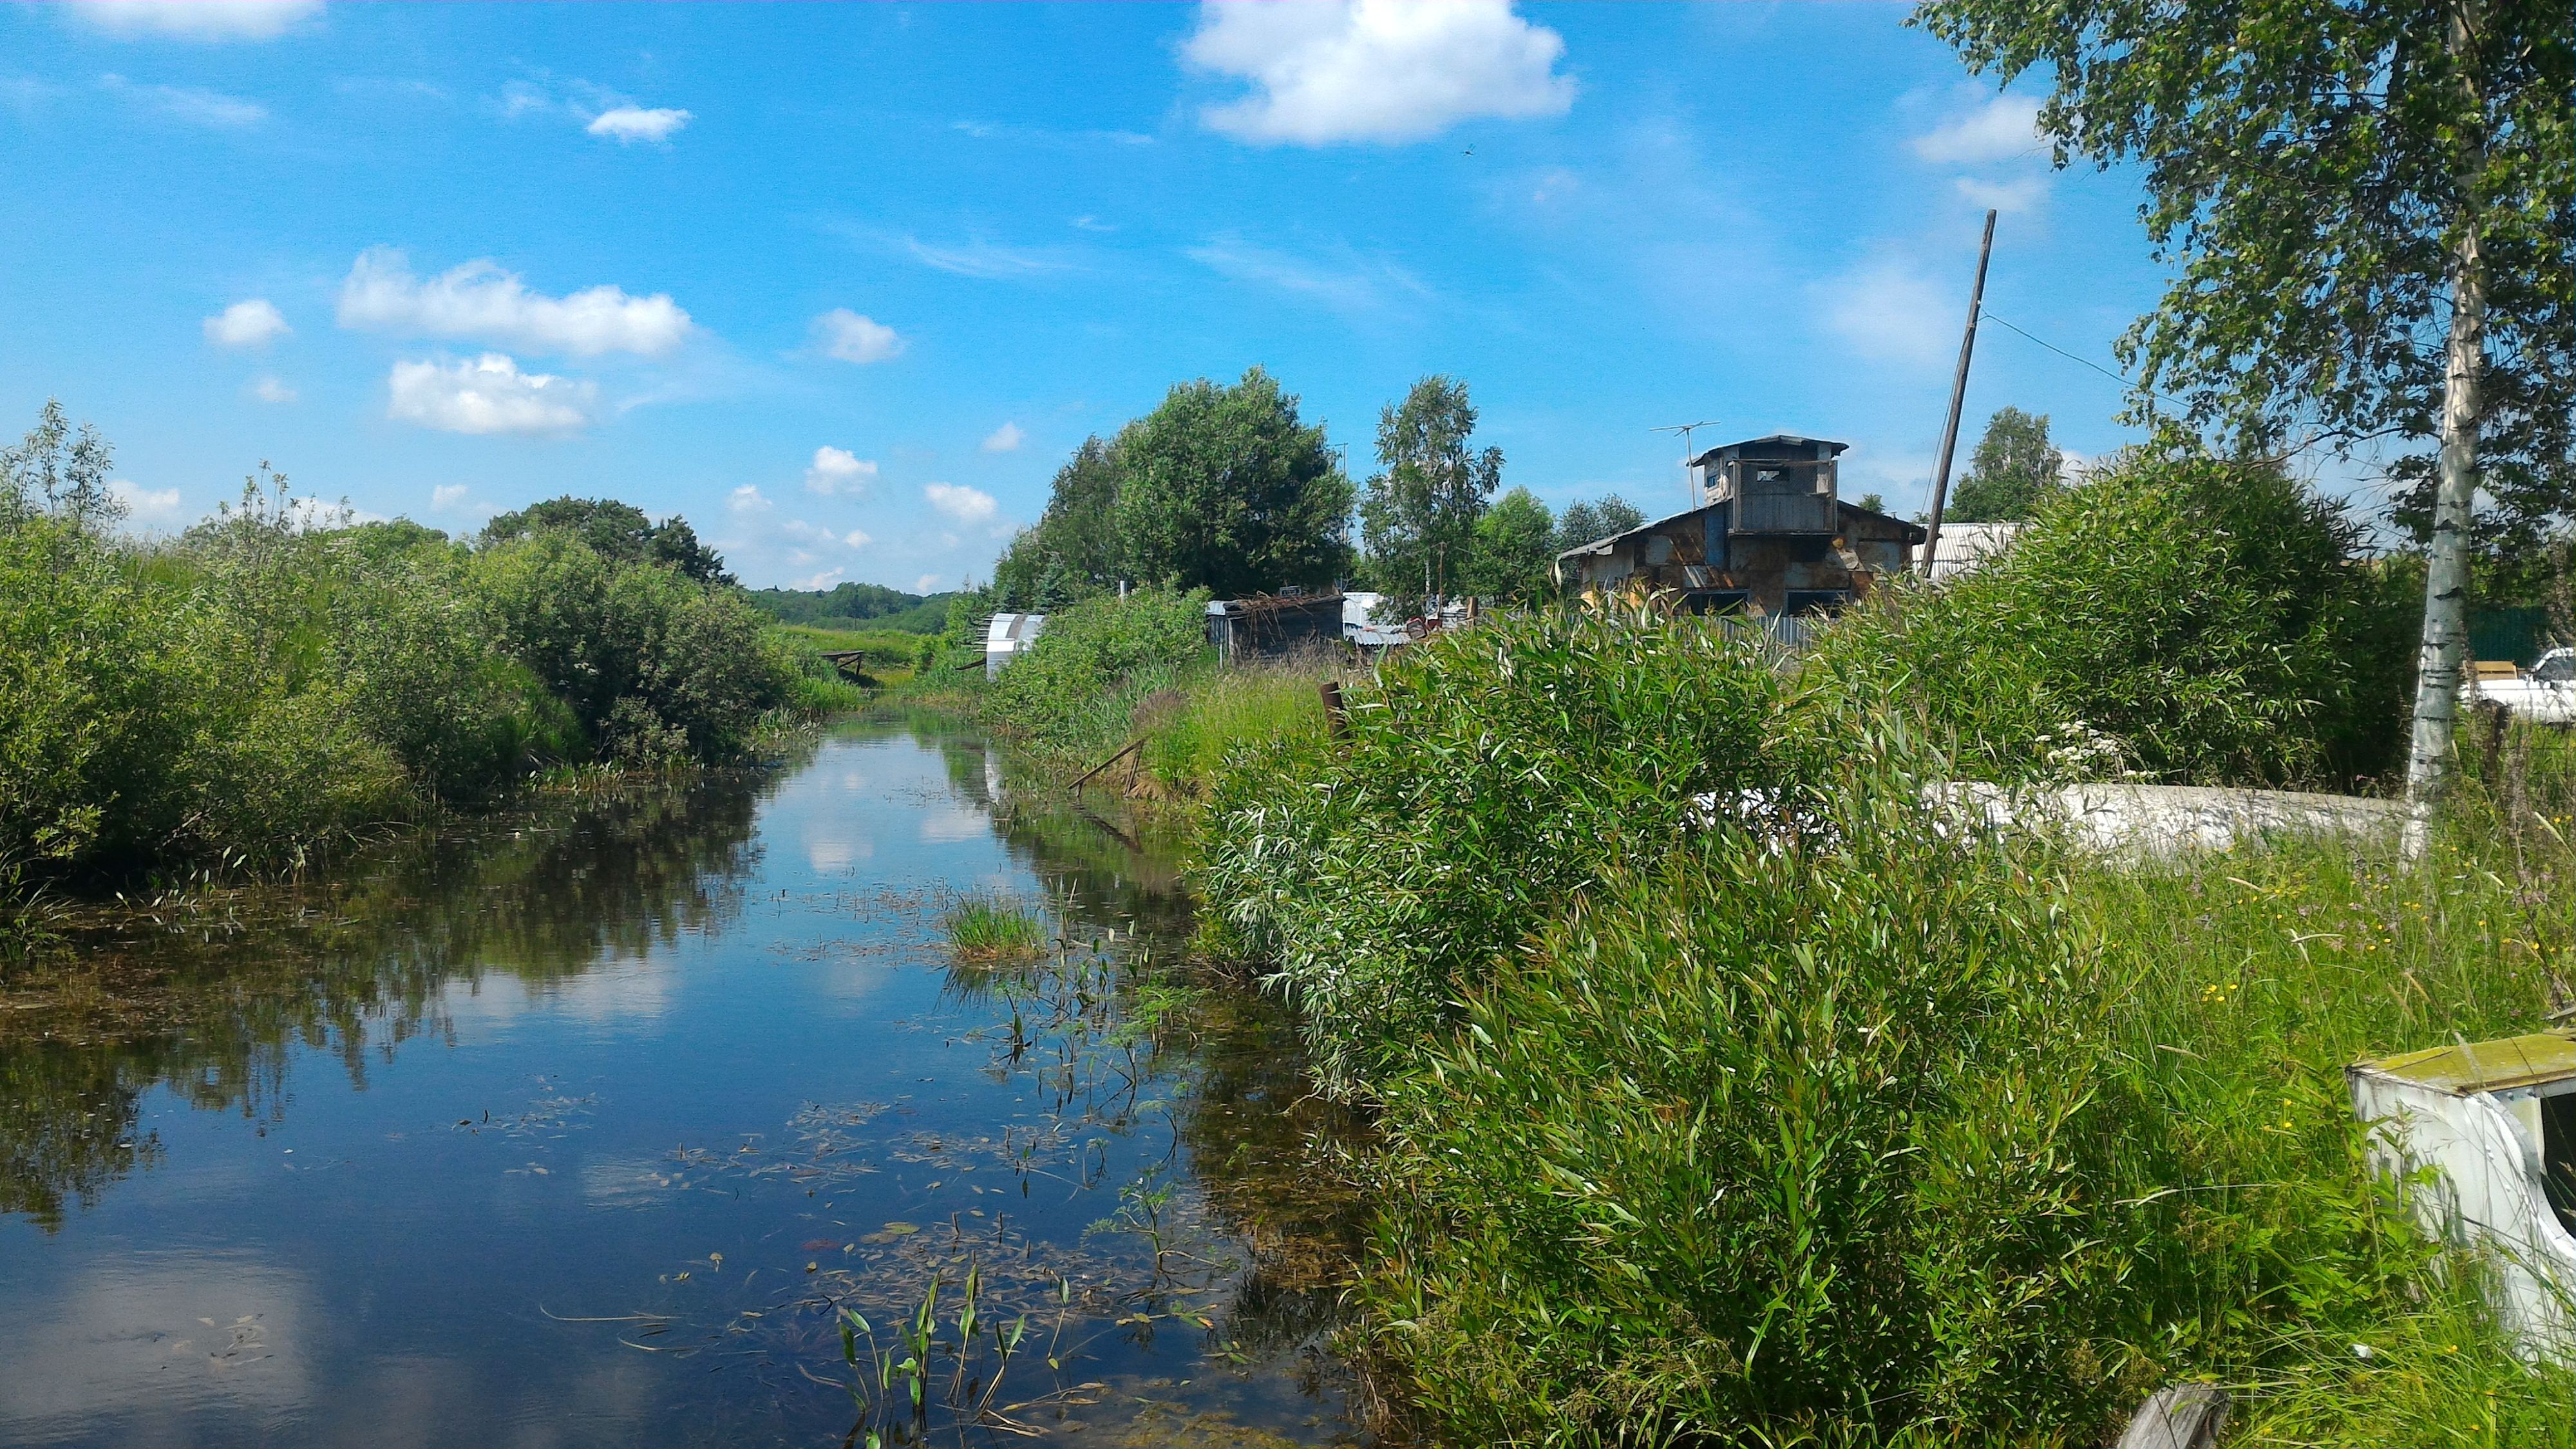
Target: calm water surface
x=581, y=1127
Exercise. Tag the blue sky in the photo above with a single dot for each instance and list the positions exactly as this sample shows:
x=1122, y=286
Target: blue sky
x=844, y=284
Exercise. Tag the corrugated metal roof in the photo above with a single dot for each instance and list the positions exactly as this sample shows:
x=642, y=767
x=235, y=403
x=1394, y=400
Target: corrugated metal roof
x=2485, y=1066
x=1914, y=531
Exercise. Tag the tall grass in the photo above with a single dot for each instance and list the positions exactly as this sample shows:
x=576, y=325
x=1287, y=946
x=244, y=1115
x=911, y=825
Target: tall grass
x=1881, y=1129
x=1112, y=671
x=1729, y=1099
x=986, y=927
x=1779, y=1133
x=1487, y=780
x=1192, y=727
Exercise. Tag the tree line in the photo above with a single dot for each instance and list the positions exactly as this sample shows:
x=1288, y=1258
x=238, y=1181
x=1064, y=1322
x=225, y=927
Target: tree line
x=1227, y=488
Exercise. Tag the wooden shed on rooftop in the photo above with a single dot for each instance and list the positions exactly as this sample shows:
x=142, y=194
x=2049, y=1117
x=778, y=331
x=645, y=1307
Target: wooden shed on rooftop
x=1772, y=535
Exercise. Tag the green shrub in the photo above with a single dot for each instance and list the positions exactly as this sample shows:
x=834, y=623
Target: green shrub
x=270, y=680
x=652, y=663
x=1779, y=1134
x=86, y=689
x=1076, y=685
x=1488, y=779
x=2212, y=619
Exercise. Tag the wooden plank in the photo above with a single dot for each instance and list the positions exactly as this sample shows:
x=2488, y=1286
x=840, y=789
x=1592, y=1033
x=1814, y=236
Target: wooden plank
x=2178, y=1416
x=1129, y=748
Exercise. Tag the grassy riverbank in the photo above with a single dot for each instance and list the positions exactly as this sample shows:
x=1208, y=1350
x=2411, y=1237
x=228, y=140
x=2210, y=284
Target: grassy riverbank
x=1111, y=671
x=279, y=677
x=1730, y=1094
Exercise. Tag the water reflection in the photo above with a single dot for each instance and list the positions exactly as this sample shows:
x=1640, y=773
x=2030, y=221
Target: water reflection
x=586, y=1125
x=211, y=996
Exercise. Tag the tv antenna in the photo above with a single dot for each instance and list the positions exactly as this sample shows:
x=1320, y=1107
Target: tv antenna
x=1685, y=430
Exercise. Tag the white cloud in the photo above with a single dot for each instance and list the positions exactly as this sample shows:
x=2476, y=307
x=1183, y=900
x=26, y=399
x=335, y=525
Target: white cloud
x=1375, y=70
x=487, y=395
x=447, y=496
x=838, y=471
x=270, y=390
x=312, y=515
x=477, y=300
x=1888, y=311
x=2005, y=196
x=976, y=257
x=630, y=124
x=155, y=509
x=850, y=337
x=1003, y=439
x=817, y=583
x=188, y=103
x=926, y=584
x=213, y=20
x=1999, y=130
x=1346, y=283
x=251, y=323
x=765, y=543
x=966, y=505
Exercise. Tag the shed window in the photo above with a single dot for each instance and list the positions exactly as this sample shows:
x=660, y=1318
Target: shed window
x=1817, y=601
x=1716, y=601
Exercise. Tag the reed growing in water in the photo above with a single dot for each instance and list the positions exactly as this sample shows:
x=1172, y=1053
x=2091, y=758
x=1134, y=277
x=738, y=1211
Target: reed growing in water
x=986, y=927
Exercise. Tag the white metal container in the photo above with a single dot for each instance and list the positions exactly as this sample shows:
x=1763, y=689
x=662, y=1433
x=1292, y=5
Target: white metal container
x=1007, y=636
x=2496, y=1121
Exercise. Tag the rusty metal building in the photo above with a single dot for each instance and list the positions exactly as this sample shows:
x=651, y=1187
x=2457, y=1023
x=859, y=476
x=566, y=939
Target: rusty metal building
x=1271, y=626
x=1771, y=536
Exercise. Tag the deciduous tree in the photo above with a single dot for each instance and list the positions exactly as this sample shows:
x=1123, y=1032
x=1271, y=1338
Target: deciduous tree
x=2014, y=468
x=1514, y=543
x=2370, y=208
x=1226, y=489
x=1419, y=518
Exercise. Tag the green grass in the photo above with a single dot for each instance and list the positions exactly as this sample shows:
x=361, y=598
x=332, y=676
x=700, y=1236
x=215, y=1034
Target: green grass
x=1808, y=1119
x=1110, y=671
x=986, y=927
x=1896, y=1133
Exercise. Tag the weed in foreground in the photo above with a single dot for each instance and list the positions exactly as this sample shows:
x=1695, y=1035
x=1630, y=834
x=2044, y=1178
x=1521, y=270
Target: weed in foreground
x=987, y=927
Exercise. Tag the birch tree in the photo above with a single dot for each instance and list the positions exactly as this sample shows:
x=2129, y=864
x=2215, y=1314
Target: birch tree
x=2369, y=207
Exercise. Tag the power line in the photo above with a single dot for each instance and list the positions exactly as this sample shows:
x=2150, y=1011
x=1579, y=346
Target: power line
x=2071, y=357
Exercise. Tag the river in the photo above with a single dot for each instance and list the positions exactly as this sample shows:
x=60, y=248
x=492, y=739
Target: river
x=594, y=1123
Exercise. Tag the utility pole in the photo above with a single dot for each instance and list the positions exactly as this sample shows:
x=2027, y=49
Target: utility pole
x=1685, y=430
x=1958, y=397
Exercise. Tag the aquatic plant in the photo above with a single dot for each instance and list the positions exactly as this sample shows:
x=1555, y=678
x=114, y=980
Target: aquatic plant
x=985, y=927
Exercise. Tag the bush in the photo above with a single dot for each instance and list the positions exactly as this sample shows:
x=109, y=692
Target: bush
x=2213, y=619
x=85, y=690
x=270, y=679
x=652, y=664
x=1488, y=779
x=1079, y=682
x=1775, y=1136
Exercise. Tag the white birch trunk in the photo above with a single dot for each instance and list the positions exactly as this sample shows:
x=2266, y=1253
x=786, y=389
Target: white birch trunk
x=2443, y=661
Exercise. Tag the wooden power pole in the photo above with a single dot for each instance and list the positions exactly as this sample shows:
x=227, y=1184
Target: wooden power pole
x=1958, y=397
